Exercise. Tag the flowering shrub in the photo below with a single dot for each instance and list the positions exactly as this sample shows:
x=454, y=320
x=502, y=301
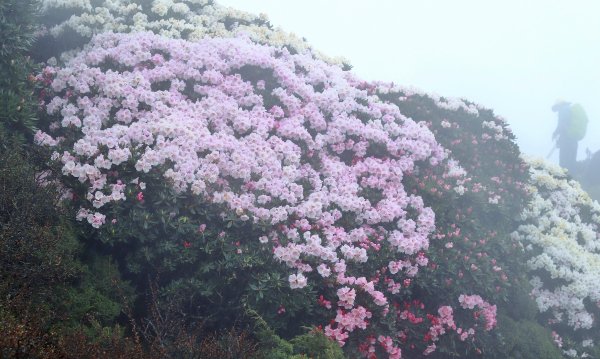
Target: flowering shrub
x=446, y=330
x=560, y=233
x=247, y=147
x=71, y=23
x=471, y=247
x=481, y=142
x=282, y=143
x=240, y=177
x=474, y=219
x=310, y=192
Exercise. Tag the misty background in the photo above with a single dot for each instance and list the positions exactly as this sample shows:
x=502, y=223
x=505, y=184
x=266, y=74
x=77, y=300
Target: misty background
x=515, y=57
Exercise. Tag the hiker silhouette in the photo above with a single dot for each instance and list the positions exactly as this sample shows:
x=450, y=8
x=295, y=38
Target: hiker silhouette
x=571, y=128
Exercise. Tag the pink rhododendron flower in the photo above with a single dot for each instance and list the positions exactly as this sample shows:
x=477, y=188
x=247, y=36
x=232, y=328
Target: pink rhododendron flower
x=430, y=349
x=96, y=219
x=486, y=309
x=297, y=281
x=346, y=297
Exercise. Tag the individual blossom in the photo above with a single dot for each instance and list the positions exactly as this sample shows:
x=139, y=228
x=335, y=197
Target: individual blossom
x=346, y=297
x=297, y=281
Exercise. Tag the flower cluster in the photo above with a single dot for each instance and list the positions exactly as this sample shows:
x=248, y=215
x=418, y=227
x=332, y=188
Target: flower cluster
x=481, y=142
x=486, y=310
x=475, y=216
x=560, y=232
x=179, y=19
x=275, y=139
x=435, y=326
x=446, y=103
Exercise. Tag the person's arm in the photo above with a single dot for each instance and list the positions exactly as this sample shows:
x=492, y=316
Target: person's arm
x=564, y=117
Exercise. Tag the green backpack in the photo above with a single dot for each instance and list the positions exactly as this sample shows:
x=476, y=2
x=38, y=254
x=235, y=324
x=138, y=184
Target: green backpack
x=579, y=121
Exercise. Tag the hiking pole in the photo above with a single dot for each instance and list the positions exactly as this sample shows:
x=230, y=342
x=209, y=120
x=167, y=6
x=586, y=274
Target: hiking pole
x=552, y=151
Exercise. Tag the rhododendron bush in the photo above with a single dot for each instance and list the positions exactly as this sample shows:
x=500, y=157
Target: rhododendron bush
x=472, y=247
x=69, y=24
x=560, y=232
x=481, y=142
x=250, y=154
x=244, y=172
x=275, y=160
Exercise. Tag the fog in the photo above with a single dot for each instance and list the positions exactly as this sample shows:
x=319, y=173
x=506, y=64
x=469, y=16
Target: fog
x=167, y=191
x=514, y=57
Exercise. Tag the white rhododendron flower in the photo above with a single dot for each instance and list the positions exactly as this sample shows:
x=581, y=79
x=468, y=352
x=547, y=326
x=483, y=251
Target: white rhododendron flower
x=560, y=232
x=186, y=19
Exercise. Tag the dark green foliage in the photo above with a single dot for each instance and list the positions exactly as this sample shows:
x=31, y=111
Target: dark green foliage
x=316, y=345
x=17, y=102
x=26, y=336
x=36, y=244
x=313, y=344
x=592, y=351
x=210, y=276
x=42, y=276
x=96, y=299
x=18, y=24
x=521, y=306
x=523, y=339
x=271, y=345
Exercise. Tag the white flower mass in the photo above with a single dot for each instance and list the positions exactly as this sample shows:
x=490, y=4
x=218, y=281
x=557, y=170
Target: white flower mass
x=560, y=231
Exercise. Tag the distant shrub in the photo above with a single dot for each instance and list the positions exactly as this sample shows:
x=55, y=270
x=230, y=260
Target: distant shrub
x=560, y=232
x=18, y=106
x=472, y=248
x=523, y=340
x=315, y=344
x=37, y=246
x=70, y=24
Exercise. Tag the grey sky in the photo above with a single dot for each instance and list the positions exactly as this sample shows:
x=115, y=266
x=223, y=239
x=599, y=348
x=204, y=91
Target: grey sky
x=516, y=57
